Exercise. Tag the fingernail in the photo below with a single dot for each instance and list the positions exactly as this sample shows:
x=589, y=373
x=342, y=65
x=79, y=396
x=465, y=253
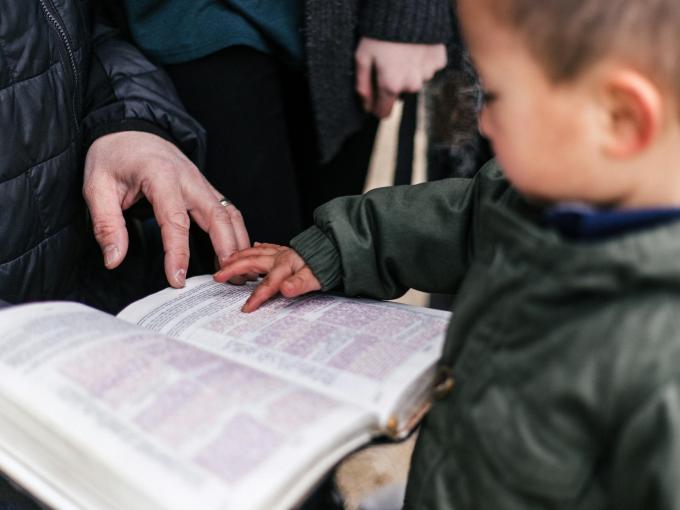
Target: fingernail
x=256, y=243
x=111, y=254
x=180, y=277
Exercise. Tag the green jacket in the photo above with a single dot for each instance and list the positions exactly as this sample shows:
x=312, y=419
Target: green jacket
x=565, y=355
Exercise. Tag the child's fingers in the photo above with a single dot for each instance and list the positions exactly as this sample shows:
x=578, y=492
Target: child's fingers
x=268, y=245
x=229, y=273
x=253, y=251
x=264, y=291
x=284, y=267
x=243, y=265
x=300, y=283
x=239, y=279
x=246, y=252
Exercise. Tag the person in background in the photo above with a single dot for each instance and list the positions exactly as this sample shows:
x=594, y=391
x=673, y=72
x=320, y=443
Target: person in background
x=559, y=381
x=290, y=91
x=83, y=112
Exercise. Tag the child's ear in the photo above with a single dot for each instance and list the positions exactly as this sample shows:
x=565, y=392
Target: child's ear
x=634, y=113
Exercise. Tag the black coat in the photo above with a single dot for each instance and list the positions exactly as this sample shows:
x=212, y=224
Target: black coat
x=331, y=32
x=64, y=81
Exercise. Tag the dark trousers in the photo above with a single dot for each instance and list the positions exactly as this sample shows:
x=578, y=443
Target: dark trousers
x=12, y=498
x=262, y=149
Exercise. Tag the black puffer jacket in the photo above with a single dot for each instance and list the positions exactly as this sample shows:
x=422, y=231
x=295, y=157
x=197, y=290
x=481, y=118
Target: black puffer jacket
x=64, y=81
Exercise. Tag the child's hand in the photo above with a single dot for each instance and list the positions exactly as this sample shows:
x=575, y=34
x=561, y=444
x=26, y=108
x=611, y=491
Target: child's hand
x=286, y=273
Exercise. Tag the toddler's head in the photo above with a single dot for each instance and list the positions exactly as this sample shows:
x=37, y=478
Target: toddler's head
x=582, y=96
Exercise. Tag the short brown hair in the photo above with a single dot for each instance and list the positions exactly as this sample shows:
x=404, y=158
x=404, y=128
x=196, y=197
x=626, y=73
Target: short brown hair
x=567, y=36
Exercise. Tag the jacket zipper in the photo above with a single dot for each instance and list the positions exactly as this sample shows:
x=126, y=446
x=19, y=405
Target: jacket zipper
x=52, y=16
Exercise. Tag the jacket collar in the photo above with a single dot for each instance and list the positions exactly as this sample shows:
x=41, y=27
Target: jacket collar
x=647, y=254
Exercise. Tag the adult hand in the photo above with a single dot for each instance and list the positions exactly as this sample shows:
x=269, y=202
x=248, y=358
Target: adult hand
x=387, y=69
x=286, y=273
x=122, y=167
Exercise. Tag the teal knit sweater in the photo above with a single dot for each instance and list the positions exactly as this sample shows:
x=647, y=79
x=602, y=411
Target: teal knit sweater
x=173, y=31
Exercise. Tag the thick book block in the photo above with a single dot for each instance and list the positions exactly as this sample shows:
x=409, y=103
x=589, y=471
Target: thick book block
x=182, y=401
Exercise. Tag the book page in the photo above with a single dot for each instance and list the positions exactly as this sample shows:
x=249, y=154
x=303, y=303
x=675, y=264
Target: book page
x=361, y=350
x=116, y=416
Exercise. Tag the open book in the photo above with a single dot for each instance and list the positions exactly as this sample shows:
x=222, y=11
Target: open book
x=182, y=401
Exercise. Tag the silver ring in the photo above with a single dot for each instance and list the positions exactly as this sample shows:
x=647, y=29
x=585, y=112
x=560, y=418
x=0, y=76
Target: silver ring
x=224, y=201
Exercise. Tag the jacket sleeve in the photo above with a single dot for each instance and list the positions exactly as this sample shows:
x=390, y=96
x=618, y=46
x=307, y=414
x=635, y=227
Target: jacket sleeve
x=646, y=463
x=391, y=239
x=411, y=21
x=126, y=92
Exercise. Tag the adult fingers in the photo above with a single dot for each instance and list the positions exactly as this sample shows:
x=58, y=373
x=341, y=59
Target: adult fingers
x=413, y=83
x=226, y=229
x=108, y=223
x=434, y=61
x=384, y=103
x=388, y=87
x=440, y=57
x=172, y=217
x=429, y=69
x=364, y=79
x=224, y=225
x=239, y=229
